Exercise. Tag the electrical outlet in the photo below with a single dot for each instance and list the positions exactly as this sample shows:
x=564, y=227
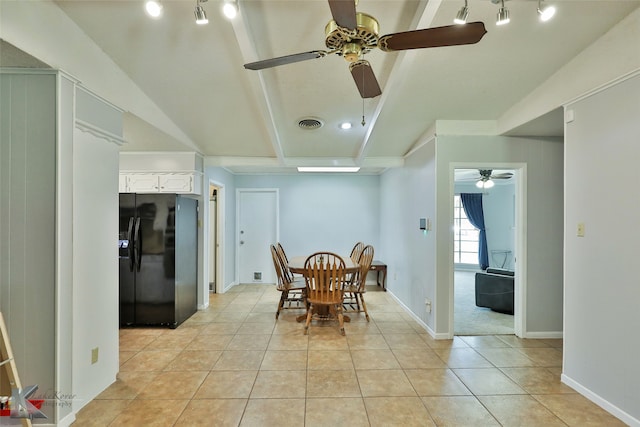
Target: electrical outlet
x=580, y=232
x=94, y=355
x=427, y=303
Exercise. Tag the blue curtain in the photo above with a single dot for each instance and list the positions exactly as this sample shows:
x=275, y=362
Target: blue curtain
x=472, y=204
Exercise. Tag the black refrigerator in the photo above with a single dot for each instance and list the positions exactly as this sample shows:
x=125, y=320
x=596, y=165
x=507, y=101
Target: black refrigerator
x=158, y=247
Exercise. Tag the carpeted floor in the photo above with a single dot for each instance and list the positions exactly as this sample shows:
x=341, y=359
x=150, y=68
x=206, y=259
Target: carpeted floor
x=472, y=320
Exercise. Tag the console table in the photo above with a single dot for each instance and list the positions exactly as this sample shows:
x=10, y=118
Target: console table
x=380, y=267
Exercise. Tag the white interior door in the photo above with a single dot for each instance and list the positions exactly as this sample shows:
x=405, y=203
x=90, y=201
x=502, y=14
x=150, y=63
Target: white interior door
x=257, y=229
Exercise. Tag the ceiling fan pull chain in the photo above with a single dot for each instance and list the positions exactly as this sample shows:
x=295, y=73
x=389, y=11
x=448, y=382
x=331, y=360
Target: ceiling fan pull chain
x=363, y=122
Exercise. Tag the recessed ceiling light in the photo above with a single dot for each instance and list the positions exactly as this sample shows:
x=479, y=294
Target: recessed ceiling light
x=328, y=168
x=345, y=125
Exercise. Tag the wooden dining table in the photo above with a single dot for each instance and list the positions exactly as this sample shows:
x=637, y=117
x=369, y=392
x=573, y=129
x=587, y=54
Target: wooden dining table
x=296, y=266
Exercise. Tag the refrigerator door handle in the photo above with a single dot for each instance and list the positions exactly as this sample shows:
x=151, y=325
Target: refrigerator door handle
x=130, y=244
x=138, y=243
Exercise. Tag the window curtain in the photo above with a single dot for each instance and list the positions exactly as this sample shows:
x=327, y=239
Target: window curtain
x=472, y=205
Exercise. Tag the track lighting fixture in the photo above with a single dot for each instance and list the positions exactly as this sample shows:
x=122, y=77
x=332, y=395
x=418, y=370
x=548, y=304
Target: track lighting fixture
x=461, y=16
x=230, y=9
x=503, y=15
x=201, y=15
x=545, y=12
x=153, y=8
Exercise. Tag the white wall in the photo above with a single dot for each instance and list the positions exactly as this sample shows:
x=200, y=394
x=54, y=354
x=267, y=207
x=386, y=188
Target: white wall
x=316, y=212
x=323, y=211
x=420, y=266
x=28, y=261
x=95, y=262
x=602, y=290
x=44, y=31
x=612, y=56
x=541, y=266
x=408, y=194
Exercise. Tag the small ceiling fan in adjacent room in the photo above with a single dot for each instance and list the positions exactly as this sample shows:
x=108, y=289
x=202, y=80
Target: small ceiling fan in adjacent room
x=485, y=178
x=352, y=34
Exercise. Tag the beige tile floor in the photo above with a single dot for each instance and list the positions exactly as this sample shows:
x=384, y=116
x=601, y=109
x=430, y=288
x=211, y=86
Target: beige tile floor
x=235, y=365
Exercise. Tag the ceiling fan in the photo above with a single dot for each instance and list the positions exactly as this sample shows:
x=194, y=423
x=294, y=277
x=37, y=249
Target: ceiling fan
x=485, y=178
x=352, y=34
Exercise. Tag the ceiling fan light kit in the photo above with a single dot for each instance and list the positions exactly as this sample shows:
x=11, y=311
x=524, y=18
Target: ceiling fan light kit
x=352, y=34
x=485, y=184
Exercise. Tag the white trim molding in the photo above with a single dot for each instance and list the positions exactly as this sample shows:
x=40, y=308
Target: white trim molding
x=99, y=133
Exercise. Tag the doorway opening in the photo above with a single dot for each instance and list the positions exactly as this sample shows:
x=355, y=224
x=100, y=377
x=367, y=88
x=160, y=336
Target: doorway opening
x=494, y=208
x=215, y=238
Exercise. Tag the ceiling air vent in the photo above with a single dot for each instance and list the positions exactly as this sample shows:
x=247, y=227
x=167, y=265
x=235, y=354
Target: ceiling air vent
x=309, y=123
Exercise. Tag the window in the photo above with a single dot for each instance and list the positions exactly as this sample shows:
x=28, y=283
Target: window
x=465, y=236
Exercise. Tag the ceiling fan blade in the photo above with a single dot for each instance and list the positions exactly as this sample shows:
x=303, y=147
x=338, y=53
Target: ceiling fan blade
x=283, y=60
x=506, y=175
x=450, y=35
x=365, y=79
x=344, y=12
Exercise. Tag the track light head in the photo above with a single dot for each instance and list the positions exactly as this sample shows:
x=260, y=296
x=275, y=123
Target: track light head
x=503, y=15
x=462, y=15
x=230, y=9
x=153, y=8
x=201, y=15
x=545, y=12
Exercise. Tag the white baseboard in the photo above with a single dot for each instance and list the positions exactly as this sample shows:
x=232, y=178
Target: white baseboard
x=603, y=403
x=543, y=335
x=229, y=286
x=430, y=331
x=203, y=306
x=66, y=421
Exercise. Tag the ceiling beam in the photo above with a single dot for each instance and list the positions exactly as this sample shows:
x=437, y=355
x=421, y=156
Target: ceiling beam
x=425, y=14
x=258, y=84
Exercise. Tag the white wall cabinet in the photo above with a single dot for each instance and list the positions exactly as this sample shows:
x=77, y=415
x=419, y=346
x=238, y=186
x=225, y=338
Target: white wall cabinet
x=182, y=183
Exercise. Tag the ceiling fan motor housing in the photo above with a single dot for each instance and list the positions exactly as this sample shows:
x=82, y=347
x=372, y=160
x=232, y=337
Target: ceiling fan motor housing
x=352, y=43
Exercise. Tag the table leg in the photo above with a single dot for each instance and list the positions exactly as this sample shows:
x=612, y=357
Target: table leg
x=384, y=278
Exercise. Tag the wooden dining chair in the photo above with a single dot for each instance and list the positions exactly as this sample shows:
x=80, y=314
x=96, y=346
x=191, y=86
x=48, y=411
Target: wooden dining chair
x=355, y=256
x=325, y=277
x=283, y=257
x=292, y=291
x=356, y=251
x=355, y=289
